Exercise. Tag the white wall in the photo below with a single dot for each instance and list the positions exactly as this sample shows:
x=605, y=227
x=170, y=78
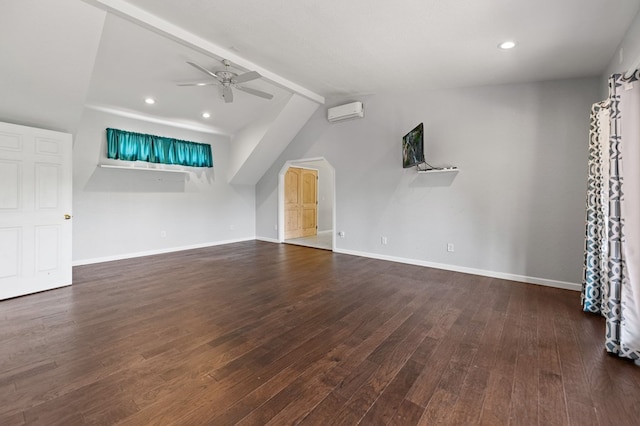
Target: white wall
x=516, y=206
x=627, y=52
x=120, y=213
x=325, y=197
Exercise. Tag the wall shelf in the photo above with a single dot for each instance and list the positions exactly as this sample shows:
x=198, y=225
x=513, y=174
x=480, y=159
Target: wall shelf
x=450, y=169
x=147, y=169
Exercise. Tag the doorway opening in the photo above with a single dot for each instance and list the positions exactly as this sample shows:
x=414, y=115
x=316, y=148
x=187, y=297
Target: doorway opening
x=298, y=221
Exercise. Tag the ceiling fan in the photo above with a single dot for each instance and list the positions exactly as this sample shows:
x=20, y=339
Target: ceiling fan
x=227, y=79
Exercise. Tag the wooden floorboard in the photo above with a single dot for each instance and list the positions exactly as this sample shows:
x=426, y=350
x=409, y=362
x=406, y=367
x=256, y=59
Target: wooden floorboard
x=258, y=333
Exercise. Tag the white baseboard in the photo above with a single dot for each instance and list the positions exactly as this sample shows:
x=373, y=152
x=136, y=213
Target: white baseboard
x=268, y=240
x=502, y=275
x=275, y=240
x=159, y=251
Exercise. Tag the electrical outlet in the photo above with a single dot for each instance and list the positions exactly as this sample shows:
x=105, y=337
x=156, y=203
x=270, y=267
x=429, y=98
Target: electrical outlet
x=450, y=247
x=341, y=234
x=163, y=234
x=383, y=240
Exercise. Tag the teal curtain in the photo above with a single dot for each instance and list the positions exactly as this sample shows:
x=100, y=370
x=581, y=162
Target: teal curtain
x=130, y=146
x=163, y=150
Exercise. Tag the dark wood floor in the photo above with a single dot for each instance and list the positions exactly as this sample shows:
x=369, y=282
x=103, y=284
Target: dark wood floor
x=257, y=333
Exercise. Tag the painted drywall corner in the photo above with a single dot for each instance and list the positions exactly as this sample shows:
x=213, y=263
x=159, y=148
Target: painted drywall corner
x=258, y=145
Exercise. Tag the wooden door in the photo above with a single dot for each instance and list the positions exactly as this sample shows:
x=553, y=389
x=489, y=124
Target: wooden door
x=35, y=208
x=309, y=206
x=300, y=203
x=292, y=202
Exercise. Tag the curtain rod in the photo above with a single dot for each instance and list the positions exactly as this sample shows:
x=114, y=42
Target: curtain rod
x=634, y=66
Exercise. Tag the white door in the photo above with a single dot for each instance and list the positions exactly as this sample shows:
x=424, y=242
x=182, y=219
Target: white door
x=35, y=210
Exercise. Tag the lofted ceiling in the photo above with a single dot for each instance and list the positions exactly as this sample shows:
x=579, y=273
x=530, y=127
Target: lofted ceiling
x=338, y=48
x=134, y=63
x=313, y=48
x=342, y=48
x=48, y=51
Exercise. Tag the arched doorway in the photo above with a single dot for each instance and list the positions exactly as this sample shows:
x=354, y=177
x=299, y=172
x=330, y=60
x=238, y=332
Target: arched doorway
x=324, y=237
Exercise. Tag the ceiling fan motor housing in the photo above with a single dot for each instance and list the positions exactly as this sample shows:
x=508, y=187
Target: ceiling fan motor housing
x=228, y=79
x=226, y=75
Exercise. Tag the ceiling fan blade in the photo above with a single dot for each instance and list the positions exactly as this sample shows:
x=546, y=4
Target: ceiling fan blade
x=204, y=70
x=196, y=84
x=255, y=92
x=247, y=76
x=227, y=94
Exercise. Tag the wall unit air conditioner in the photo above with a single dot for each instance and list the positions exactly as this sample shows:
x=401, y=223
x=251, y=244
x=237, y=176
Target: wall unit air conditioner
x=346, y=111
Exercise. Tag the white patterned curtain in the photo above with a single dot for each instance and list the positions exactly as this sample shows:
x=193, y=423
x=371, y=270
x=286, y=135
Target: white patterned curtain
x=611, y=280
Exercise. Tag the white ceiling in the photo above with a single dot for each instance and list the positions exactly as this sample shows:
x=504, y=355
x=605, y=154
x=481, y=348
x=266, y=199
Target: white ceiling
x=47, y=55
x=347, y=47
x=332, y=48
x=134, y=63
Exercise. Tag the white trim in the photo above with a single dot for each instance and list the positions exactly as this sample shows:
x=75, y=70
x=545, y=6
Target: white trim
x=165, y=28
x=283, y=171
x=481, y=272
x=150, y=168
x=501, y=275
x=151, y=119
x=268, y=240
x=159, y=251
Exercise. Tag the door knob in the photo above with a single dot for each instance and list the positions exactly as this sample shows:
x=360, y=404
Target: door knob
x=67, y=216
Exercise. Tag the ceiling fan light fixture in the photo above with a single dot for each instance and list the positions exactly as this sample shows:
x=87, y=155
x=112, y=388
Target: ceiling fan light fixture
x=227, y=80
x=506, y=45
x=149, y=101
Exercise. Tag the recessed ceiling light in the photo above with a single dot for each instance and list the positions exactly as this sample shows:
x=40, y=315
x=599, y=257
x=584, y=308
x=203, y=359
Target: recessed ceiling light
x=206, y=115
x=506, y=45
x=150, y=101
